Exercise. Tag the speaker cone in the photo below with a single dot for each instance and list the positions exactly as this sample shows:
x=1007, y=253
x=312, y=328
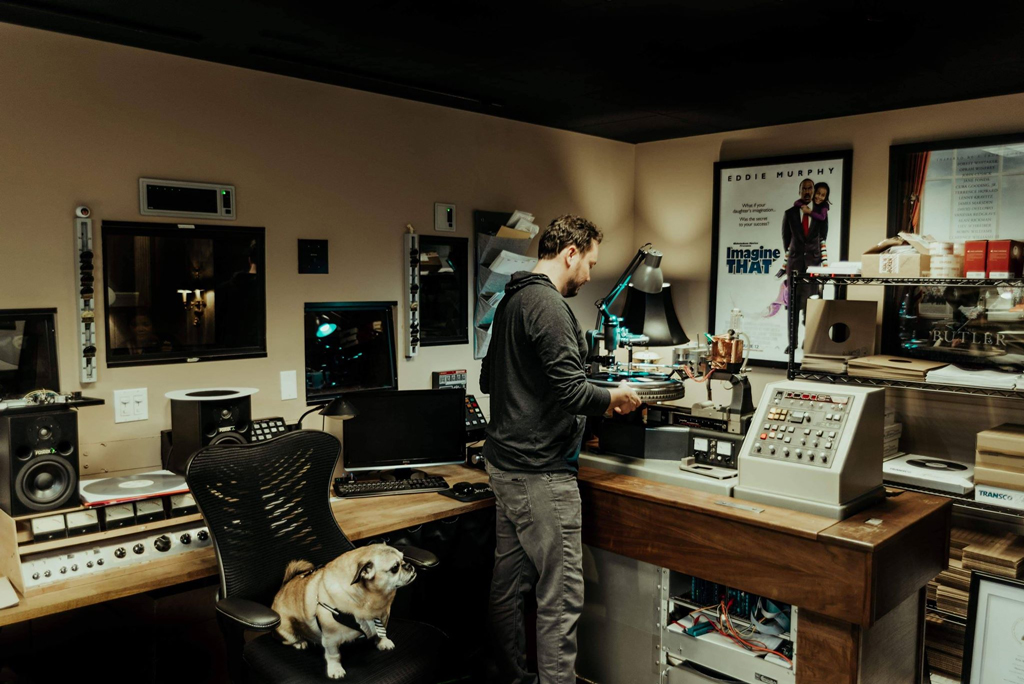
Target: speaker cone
x=229, y=438
x=45, y=483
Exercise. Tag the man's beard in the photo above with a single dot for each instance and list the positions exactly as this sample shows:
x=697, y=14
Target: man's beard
x=572, y=288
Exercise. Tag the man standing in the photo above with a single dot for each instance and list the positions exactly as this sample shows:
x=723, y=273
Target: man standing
x=802, y=237
x=534, y=372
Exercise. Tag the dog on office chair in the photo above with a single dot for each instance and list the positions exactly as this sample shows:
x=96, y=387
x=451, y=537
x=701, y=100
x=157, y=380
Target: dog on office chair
x=345, y=600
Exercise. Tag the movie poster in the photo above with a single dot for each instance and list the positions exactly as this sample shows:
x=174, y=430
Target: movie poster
x=773, y=216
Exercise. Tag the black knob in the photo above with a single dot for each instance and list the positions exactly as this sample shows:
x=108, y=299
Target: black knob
x=35, y=575
x=138, y=548
x=89, y=564
x=74, y=568
x=120, y=552
x=186, y=538
x=46, y=574
x=99, y=561
x=162, y=543
x=63, y=570
x=202, y=535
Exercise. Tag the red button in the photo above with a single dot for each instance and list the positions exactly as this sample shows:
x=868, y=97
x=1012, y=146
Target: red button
x=764, y=435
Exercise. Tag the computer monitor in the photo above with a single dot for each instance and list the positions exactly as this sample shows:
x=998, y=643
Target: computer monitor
x=28, y=352
x=350, y=347
x=405, y=429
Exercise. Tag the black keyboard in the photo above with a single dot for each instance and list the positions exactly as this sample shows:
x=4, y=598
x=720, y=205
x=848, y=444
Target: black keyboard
x=351, y=490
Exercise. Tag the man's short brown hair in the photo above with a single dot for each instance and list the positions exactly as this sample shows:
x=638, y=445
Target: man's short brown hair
x=565, y=231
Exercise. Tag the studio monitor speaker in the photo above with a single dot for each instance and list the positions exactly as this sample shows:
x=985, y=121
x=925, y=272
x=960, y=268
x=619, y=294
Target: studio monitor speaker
x=38, y=462
x=205, y=417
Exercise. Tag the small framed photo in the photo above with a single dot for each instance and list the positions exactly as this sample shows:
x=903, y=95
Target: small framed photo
x=994, y=641
x=772, y=216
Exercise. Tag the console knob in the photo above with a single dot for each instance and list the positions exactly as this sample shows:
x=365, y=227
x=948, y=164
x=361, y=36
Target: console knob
x=99, y=561
x=162, y=543
x=74, y=568
x=138, y=548
x=89, y=564
x=35, y=575
x=47, y=573
x=63, y=570
x=120, y=552
x=186, y=538
x=202, y=535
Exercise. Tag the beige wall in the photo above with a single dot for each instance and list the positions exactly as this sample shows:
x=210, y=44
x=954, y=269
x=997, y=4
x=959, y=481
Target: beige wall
x=674, y=187
x=81, y=121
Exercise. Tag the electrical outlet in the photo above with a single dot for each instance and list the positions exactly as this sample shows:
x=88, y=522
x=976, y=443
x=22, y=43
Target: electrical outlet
x=131, y=405
x=444, y=217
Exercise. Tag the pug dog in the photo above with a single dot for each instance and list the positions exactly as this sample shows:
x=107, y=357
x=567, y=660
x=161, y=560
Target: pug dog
x=338, y=602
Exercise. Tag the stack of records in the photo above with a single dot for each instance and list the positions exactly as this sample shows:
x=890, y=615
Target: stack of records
x=944, y=646
x=956, y=576
x=951, y=600
x=1005, y=557
x=887, y=367
x=891, y=440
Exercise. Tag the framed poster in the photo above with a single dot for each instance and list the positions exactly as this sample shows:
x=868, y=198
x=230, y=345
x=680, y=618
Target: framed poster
x=772, y=215
x=957, y=191
x=994, y=640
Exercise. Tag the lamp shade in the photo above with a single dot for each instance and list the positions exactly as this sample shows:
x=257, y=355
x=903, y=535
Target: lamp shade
x=653, y=315
x=647, y=277
x=340, y=408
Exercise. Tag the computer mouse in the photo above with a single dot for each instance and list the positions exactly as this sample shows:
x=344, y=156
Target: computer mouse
x=462, y=489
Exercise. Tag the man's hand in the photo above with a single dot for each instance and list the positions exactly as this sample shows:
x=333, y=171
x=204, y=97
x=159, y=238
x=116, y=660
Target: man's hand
x=624, y=399
x=806, y=209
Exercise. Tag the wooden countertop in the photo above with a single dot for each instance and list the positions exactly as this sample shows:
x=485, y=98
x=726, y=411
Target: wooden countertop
x=853, y=570
x=359, y=518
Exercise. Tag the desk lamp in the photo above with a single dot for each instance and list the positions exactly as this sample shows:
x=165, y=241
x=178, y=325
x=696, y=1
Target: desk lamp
x=644, y=273
x=338, y=407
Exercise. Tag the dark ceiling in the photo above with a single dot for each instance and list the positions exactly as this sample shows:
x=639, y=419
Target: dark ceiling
x=631, y=70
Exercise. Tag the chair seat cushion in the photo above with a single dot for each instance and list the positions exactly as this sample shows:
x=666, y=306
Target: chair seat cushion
x=414, y=660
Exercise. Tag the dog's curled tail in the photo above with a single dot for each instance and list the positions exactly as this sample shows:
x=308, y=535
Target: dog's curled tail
x=296, y=567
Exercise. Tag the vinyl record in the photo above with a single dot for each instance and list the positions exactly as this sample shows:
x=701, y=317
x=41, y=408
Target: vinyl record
x=936, y=464
x=135, y=485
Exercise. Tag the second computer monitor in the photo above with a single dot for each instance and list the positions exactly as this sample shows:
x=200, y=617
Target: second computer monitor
x=405, y=429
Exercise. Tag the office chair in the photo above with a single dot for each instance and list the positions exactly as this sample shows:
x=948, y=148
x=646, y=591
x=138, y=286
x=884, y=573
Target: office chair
x=267, y=504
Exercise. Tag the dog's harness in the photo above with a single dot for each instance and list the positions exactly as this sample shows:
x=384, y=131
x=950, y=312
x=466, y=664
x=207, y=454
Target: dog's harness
x=346, y=619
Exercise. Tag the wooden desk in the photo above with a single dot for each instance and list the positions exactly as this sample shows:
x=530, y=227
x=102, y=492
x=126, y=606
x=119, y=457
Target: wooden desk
x=846, y=577
x=359, y=518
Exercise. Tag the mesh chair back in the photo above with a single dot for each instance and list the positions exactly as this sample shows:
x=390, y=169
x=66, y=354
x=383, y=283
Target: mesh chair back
x=267, y=504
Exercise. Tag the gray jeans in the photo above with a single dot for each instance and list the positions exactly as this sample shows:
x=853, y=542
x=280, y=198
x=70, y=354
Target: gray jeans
x=538, y=545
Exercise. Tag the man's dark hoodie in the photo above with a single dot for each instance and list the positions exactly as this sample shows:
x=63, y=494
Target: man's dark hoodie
x=534, y=372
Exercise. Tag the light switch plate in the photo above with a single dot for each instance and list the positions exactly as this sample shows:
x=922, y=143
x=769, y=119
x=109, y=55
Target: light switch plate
x=444, y=217
x=289, y=387
x=131, y=405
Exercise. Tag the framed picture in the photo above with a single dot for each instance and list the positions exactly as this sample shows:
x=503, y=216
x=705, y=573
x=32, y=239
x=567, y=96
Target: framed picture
x=444, y=290
x=770, y=216
x=994, y=640
x=957, y=191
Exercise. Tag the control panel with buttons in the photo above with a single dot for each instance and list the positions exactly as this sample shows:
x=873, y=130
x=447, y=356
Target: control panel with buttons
x=89, y=560
x=474, y=416
x=803, y=427
x=267, y=428
x=815, y=448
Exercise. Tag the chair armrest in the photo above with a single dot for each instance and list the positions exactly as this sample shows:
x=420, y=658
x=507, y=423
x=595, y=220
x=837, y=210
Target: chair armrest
x=418, y=557
x=249, y=614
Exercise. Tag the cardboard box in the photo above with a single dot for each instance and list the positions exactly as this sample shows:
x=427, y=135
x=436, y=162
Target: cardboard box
x=1005, y=258
x=999, y=461
x=878, y=263
x=976, y=259
x=1002, y=440
x=999, y=496
x=994, y=477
